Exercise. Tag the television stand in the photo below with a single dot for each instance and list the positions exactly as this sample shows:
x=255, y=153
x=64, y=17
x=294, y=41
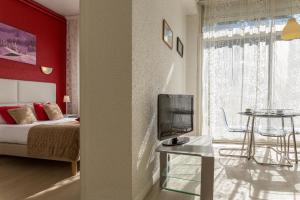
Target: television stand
x=176, y=141
x=198, y=147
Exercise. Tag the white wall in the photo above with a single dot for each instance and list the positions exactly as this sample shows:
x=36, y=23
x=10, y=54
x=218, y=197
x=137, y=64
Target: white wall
x=124, y=66
x=192, y=63
x=106, y=87
x=156, y=69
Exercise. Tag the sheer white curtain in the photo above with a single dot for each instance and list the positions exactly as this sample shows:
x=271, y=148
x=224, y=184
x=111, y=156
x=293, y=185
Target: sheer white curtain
x=245, y=63
x=73, y=63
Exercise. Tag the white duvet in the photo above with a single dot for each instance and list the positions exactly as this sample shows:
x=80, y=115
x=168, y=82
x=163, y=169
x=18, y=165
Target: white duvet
x=17, y=134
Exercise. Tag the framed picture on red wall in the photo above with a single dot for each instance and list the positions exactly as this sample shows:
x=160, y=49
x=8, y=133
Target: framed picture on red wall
x=17, y=45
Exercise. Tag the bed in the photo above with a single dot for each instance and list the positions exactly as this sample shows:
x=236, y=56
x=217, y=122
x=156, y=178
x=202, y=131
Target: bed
x=14, y=138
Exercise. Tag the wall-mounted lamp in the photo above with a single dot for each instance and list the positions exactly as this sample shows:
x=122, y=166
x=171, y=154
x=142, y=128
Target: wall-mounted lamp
x=46, y=70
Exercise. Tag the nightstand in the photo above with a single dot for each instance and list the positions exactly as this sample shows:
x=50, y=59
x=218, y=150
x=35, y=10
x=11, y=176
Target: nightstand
x=71, y=116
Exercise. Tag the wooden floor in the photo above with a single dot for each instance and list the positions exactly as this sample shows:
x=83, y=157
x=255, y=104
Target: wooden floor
x=240, y=179
x=235, y=179
x=23, y=178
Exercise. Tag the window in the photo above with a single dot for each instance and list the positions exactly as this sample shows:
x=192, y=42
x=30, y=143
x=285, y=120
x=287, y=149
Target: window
x=247, y=65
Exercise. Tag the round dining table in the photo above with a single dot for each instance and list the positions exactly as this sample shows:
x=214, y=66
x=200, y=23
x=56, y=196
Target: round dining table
x=285, y=114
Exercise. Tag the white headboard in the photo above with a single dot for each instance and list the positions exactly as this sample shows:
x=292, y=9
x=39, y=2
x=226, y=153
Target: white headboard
x=25, y=92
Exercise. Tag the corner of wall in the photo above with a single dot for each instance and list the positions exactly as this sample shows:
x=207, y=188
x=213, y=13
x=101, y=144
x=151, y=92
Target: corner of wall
x=156, y=69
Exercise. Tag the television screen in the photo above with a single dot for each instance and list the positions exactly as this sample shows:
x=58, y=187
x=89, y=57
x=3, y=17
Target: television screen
x=174, y=115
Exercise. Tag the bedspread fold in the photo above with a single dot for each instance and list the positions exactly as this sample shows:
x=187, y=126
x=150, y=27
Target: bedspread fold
x=55, y=141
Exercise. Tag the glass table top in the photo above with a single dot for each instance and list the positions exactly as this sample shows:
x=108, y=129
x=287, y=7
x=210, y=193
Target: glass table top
x=197, y=146
x=272, y=113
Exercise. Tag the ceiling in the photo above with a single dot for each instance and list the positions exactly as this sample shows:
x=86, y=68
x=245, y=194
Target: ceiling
x=62, y=7
x=71, y=7
x=190, y=6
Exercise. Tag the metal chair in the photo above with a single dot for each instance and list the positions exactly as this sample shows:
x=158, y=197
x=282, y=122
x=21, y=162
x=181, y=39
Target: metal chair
x=280, y=135
x=233, y=129
x=290, y=134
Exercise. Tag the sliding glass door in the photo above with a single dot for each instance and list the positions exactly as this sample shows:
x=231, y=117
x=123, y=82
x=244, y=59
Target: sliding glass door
x=247, y=65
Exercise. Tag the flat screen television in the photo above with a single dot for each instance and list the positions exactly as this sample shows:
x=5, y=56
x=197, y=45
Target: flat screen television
x=174, y=118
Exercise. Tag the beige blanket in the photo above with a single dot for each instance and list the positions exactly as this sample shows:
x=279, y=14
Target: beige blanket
x=54, y=141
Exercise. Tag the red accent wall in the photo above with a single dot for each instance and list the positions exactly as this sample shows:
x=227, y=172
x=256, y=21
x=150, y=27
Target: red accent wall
x=50, y=31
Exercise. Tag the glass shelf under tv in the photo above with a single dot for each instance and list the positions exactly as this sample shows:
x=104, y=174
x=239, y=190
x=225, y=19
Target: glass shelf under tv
x=183, y=174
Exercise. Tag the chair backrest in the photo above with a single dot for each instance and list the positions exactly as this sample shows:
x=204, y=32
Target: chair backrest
x=225, y=118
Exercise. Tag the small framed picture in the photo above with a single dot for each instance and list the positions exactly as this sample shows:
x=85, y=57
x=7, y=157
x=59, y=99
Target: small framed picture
x=179, y=47
x=167, y=35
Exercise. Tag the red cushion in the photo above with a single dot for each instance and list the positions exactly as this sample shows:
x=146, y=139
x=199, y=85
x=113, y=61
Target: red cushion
x=41, y=115
x=6, y=116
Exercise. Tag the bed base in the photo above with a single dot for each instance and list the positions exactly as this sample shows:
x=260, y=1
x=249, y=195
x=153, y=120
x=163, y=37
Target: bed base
x=20, y=150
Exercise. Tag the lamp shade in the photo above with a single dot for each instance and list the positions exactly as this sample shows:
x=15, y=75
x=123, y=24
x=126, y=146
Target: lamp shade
x=67, y=99
x=291, y=30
